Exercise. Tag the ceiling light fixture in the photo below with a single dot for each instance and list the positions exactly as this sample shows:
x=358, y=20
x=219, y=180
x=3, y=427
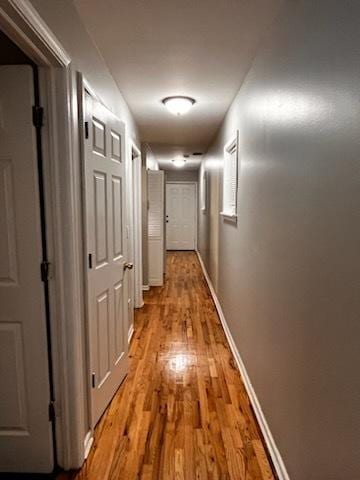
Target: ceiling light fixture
x=178, y=105
x=179, y=162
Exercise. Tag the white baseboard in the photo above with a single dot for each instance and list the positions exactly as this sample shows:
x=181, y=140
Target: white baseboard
x=130, y=333
x=156, y=283
x=88, y=441
x=145, y=288
x=269, y=440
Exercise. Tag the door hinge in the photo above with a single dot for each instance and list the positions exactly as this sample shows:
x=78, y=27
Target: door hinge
x=93, y=382
x=45, y=271
x=52, y=411
x=38, y=116
x=90, y=260
x=86, y=129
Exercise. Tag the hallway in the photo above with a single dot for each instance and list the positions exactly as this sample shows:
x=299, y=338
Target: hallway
x=220, y=140
x=182, y=412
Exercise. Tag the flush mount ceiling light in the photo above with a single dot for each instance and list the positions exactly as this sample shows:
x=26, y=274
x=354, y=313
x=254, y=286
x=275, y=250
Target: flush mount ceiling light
x=178, y=105
x=179, y=162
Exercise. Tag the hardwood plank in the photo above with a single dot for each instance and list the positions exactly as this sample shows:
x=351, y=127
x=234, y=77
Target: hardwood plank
x=182, y=412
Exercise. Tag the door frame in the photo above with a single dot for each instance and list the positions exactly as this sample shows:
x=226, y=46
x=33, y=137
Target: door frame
x=62, y=198
x=196, y=206
x=135, y=196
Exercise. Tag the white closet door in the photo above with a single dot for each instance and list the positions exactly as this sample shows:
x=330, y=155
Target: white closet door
x=180, y=216
x=25, y=429
x=156, y=227
x=104, y=172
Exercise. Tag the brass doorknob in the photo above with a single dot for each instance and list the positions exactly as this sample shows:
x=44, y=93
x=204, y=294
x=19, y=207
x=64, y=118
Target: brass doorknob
x=128, y=265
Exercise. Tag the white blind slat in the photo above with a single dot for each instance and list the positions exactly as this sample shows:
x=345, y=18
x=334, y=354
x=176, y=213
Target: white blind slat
x=155, y=214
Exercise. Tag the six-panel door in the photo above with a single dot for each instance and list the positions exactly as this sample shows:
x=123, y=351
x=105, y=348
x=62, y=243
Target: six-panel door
x=25, y=430
x=104, y=172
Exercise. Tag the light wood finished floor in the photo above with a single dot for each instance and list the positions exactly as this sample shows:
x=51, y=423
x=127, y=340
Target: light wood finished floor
x=182, y=413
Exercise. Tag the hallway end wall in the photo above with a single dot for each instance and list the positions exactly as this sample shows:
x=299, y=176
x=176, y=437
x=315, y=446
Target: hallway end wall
x=181, y=176
x=288, y=279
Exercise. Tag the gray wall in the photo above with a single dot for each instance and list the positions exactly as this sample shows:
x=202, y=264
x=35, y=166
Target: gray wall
x=181, y=175
x=289, y=276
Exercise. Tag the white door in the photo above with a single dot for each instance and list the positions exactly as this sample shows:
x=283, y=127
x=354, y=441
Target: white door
x=104, y=174
x=156, y=247
x=180, y=216
x=25, y=430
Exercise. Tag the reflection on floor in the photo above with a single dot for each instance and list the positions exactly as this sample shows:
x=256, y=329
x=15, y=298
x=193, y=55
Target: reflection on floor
x=183, y=412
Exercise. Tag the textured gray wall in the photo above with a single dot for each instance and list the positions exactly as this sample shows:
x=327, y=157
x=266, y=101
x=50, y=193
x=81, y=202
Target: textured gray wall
x=288, y=273
x=181, y=175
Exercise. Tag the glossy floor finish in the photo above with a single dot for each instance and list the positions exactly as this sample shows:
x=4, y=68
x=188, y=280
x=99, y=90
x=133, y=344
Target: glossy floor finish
x=183, y=412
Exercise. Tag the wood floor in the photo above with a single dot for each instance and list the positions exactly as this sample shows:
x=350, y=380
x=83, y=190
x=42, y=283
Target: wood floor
x=182, y=413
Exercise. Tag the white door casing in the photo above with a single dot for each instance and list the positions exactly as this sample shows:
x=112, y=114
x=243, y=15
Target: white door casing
x=25, y=430
x=129, y=274
x=129, y=282
x=180, y=216
x=105, y=219
x=137, y=238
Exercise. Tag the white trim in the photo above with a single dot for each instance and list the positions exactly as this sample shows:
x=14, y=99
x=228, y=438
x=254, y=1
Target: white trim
x=130, y=333
x=83, y=88
x=146, y=288
x=39, y=27
x=269, y=440
x=22, y=23
x=88, y=441
x=86, y=86
x=135, y=165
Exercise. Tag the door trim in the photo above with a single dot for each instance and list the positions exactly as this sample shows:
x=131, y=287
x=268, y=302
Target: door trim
x=135, y=164
x=196, y=206
x=23, y=25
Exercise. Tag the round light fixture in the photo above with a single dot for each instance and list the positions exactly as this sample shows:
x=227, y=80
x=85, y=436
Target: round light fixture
x=179, y=162
x=178, y=105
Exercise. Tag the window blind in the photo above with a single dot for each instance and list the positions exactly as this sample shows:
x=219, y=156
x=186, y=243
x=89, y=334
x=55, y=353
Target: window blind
x=230, y=179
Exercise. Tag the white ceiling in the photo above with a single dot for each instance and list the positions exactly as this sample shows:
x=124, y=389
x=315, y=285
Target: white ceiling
x=164, y=153
x=158, y=48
